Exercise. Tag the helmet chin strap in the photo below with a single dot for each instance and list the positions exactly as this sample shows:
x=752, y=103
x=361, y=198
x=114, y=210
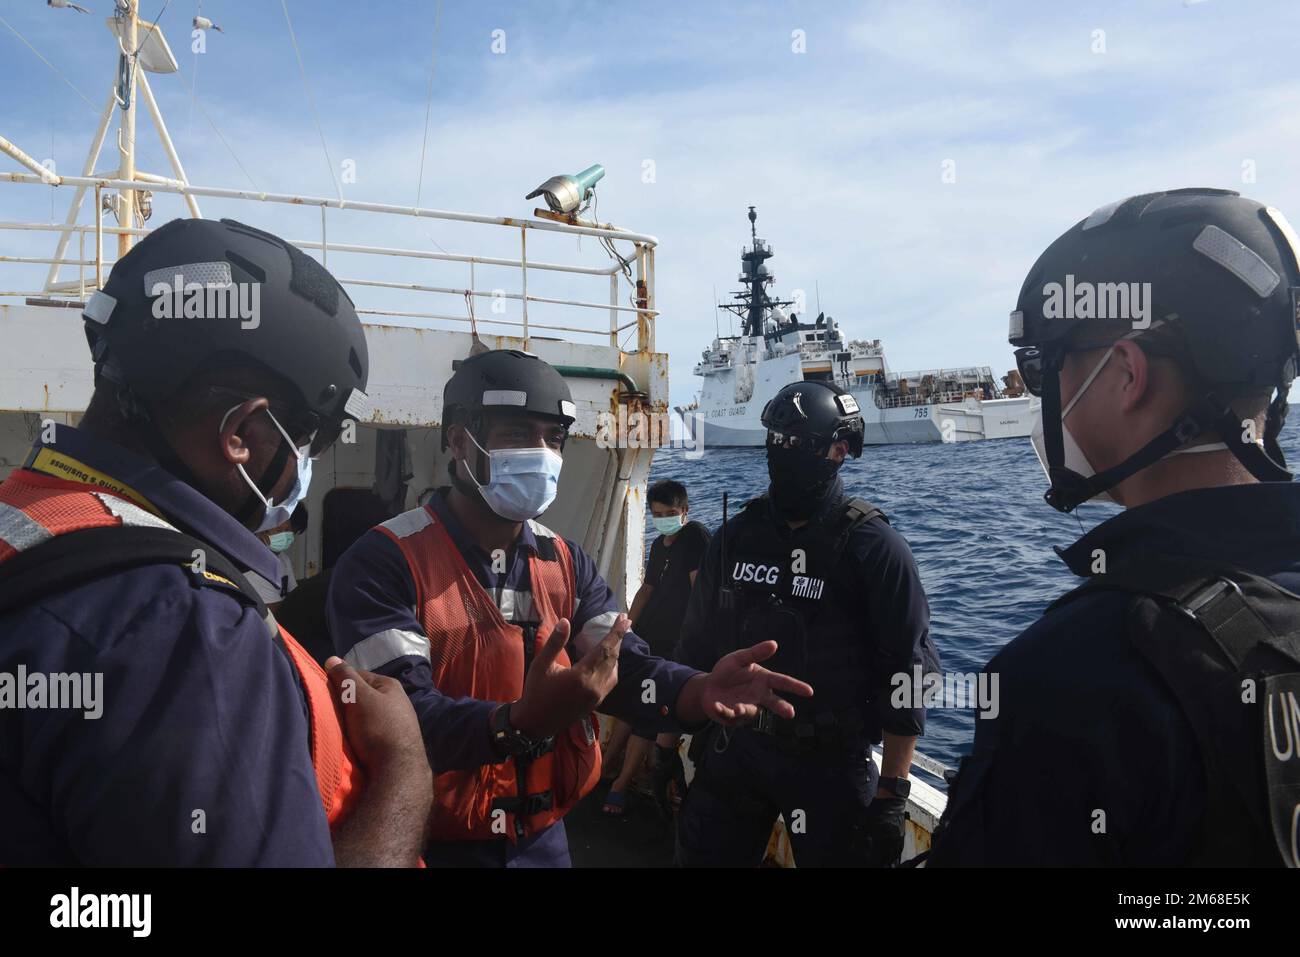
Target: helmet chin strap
x=1212, y=413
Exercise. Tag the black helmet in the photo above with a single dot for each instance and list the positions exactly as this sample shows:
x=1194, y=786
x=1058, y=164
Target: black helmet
x=1206, y=269
x=504, y=380
x=196, y=293
x=817, y=414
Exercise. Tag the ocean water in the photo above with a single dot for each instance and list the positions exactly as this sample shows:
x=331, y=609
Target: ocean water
x=980, y=531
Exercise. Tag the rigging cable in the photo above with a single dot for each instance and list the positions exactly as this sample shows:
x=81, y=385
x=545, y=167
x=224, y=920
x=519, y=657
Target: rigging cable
x=195, y=69
x=59, y=72
x=311, y=100
x=152, y=26
x=428, y=102
x=193, y=91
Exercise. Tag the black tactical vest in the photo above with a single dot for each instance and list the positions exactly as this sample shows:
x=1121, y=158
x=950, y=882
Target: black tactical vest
x=802, y=589
x=1227, y=645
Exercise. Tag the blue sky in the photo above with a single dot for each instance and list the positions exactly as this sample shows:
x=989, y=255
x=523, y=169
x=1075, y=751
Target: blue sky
x=841, y=148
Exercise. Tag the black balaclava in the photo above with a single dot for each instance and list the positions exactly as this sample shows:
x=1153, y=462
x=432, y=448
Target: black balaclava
x=801, y=481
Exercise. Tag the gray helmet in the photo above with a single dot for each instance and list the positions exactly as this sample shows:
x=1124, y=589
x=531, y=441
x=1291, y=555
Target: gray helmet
x=1216, y=269
x=305, y=330
x=504, y=380
x=817, y=413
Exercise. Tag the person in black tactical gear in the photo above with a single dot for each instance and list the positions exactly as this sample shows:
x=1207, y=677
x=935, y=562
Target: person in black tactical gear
x=837, y=588
x=1149, y=718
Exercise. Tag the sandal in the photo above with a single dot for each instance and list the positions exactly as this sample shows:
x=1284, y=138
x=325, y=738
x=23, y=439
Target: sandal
x=615, y=803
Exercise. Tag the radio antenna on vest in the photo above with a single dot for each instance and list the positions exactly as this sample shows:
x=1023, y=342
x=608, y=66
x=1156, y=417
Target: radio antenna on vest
x=725, y=592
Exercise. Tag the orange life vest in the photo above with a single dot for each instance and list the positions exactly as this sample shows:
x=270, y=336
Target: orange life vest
x=474, y=652
x=35, y=508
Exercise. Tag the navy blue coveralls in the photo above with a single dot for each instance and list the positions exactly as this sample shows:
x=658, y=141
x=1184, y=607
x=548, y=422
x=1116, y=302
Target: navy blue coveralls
x=200, y=755
x=866, y=619
x=1086, y=724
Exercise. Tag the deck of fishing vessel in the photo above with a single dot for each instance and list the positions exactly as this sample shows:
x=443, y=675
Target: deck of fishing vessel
x=502, y=280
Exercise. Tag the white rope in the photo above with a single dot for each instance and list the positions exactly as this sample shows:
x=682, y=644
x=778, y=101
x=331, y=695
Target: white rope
x=193, y=91
x=428, y=101
x=61, y=76
x=310, y=99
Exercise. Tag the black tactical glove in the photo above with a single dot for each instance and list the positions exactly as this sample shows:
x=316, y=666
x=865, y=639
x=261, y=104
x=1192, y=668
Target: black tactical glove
x=879, y=840
x=668, y=770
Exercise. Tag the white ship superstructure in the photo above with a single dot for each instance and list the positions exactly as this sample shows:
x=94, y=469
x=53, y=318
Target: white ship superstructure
x=741, y=372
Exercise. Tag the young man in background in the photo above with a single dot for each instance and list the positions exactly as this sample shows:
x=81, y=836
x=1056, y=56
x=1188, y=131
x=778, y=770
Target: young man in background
x=657, y=613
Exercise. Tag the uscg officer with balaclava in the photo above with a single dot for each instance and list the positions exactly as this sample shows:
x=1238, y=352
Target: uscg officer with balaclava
x=826, y=576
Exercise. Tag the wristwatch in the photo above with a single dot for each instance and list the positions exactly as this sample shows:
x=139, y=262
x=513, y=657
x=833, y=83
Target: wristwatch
x=506, y=738
x=901, y=787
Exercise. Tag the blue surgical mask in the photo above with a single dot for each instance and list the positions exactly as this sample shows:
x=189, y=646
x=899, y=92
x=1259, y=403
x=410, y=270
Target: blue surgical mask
x=276, y=515
x=522, y=483
x=280, y=542
x=668, y=524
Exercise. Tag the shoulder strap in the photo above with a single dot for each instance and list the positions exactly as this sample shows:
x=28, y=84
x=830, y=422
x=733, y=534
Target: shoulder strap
x=1225, y=641
x=856, y=513
x=75, y=558
x=1241, y=611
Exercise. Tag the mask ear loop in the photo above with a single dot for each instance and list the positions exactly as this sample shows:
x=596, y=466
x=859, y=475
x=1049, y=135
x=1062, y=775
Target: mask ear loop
x=1078, y=393
x=487, y=456
x=277, y=464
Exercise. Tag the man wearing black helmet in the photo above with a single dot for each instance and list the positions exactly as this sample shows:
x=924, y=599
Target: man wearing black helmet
x=505, y=635
x=830, y=580
x=225, y=361
x=1148, y=718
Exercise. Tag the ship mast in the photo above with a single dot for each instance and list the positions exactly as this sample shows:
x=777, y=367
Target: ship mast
x=142, y=49
x=753, y=302
x=128, y=13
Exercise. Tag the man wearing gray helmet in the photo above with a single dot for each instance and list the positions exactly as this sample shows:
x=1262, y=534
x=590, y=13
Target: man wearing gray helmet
x=225, y=361
x=1148, y=717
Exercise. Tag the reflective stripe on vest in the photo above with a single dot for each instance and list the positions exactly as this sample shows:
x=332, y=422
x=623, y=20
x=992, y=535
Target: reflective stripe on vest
x=474, y=652
x=34, y=508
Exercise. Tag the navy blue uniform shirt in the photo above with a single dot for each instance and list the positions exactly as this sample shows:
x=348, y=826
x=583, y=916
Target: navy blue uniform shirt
x=376, y=626
x=1086, y=724
x=200, y=755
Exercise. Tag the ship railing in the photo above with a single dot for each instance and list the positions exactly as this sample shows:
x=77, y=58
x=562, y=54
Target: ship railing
x=627, y=304
x=893, y=401
x=970, y=373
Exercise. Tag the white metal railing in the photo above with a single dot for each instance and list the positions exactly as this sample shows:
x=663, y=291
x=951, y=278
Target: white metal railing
x=893, y=401
x=968, y=374
x=636, y=311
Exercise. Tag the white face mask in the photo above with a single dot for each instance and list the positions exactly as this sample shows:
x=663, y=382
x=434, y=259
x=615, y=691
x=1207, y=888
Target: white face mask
x=522, y=483
x=1075, y=460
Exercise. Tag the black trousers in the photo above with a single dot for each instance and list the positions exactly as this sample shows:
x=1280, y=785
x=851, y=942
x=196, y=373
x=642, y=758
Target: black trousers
x=737, y=794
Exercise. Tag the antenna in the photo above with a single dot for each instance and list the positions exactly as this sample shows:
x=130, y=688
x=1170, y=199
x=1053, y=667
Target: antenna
x=818, y=288
x=717, y=332
x=728, y=600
